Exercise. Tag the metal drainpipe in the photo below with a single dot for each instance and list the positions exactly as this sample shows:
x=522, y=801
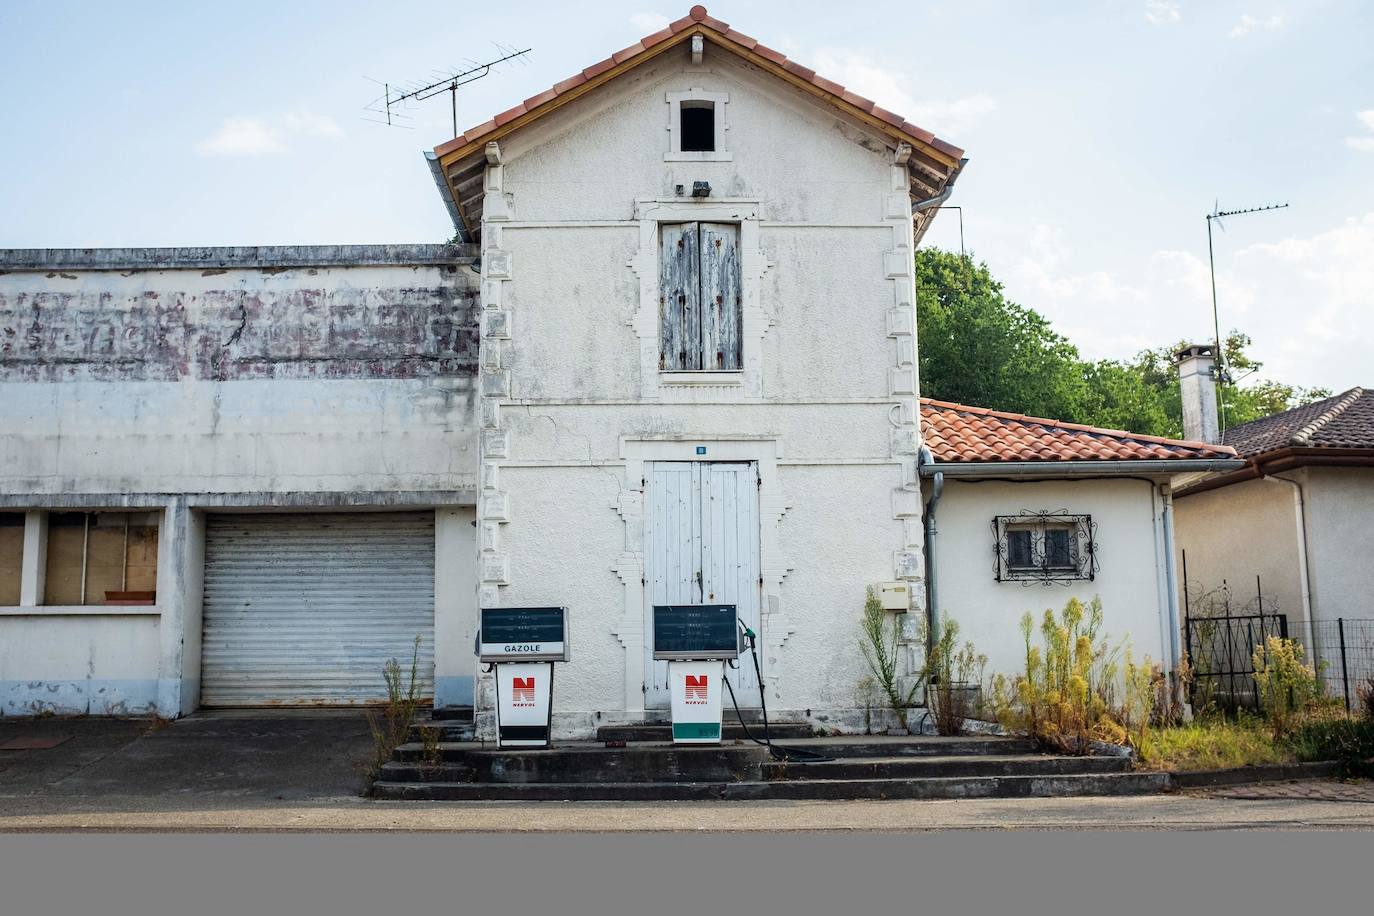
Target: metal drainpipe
x=943, y=196
x=1300, y=513
x=1166, y=495
x=932, y=598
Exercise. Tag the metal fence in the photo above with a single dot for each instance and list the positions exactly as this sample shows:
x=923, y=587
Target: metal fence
x=1343, y=651
x=1221, y=651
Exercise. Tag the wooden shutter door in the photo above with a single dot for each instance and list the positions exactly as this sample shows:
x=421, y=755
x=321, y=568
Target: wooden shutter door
x=679, y=302
x=722, y=320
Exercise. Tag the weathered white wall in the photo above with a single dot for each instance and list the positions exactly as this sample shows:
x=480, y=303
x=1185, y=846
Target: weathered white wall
x=573, y=405
x=455, y=613
x=237, y=380
x=187, y=379
x=104, y=664
x=989, y=612
x=1339, y=513
x=1233, y=534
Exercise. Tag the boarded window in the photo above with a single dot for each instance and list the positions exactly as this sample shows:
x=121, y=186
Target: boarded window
x=11, y=556
x=700, y=319
x=101, y=558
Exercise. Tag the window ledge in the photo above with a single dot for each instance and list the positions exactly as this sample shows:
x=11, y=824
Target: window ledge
x=699, y=156
x=704, y=377
x=81, y=610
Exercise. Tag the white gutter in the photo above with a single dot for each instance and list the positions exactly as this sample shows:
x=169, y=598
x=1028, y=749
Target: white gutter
x=1030, y=469
x=932, y=593
x=1300, y=517
x=943, y=196
x=1171, y=576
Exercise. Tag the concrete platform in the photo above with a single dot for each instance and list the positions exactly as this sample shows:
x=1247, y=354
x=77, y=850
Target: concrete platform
x=856, y=767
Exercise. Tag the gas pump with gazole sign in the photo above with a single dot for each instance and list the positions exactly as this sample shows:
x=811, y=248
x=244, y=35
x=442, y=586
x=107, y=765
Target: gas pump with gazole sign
x=521, y=644
x=696, y=640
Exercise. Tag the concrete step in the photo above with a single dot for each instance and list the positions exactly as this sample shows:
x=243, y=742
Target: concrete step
x=939, y=787
x=944, y=766
x=453, y=713
x=416, y=771
x=593, y=763
x=449, y=730
x=730, y=731
x=914, y=746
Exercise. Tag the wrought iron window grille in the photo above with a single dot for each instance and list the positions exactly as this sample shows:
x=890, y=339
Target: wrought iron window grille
x=1044, y=546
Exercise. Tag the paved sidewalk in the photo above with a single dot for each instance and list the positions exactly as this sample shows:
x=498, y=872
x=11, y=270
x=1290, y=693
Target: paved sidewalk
x=293, y=772
x=1333, y=790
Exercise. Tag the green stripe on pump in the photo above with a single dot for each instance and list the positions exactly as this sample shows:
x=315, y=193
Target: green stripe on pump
x=686, y=730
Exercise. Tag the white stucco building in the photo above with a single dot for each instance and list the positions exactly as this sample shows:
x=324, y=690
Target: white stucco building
x=249, y=477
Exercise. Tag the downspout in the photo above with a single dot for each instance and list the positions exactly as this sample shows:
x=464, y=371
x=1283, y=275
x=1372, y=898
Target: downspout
x=931, y=202
x=1166, y=493
x=1300, y=517
x=932, y=599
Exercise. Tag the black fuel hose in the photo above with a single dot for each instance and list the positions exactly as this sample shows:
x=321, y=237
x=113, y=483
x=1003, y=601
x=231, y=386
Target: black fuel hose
x=777, y=752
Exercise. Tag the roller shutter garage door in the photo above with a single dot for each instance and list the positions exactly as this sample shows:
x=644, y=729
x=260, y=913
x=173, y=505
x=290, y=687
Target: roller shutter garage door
x=305, y=609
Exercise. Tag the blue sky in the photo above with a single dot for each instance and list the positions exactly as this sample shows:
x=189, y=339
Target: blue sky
x=1099, y=136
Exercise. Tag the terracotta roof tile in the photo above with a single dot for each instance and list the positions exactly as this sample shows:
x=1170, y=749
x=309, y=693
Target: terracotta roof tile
x=599, y=68
x=768, y=53
x=960, y=433
x=510, y=114
x=698, y=18
x=740, y=38
x=536, y=100
x=649, y=41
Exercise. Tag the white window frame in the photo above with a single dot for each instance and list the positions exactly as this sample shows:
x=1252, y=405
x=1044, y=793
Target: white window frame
x=700, y=386
x=719, y=103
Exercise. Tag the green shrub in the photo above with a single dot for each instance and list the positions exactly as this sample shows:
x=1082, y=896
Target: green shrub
x=1066, y=696
x=1287, y=685
x=1349, y=742
x=953, y=673
x=390, y=725
x=881, y=645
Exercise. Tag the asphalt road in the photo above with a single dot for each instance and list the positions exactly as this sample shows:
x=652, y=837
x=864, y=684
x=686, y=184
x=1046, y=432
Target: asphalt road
x=294, y=773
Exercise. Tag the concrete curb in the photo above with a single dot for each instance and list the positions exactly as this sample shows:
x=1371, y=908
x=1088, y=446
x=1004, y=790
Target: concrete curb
x=1238, y=776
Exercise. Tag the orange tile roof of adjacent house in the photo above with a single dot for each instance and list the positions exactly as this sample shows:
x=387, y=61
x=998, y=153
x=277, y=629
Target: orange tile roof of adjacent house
x=698, y=20
x=959, y=433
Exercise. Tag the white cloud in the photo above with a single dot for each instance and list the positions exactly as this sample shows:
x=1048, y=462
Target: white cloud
x=648, y=23
x=1250, y=24
x=1363, y=144
x=1044, y=279
x=888, y=86
x=1162, y=12
x=262, y=136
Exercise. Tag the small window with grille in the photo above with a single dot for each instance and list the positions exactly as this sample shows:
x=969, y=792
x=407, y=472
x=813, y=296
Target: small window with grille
x=1045, y=546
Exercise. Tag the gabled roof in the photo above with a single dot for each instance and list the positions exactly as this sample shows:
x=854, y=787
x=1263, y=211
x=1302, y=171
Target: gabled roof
x=957, y=433
x=1345, y=421
x=458, y=164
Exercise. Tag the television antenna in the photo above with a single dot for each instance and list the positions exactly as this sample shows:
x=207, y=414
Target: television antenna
x=1218, y=215
x=396, y=97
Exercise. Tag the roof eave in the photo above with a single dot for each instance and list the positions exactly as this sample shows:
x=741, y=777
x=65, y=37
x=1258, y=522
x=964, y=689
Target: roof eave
x=934, y=155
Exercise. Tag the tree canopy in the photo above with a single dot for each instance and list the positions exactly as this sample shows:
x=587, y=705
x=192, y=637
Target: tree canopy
x=977, y=347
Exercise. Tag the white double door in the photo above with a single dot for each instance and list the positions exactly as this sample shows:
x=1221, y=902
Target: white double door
x=702, y=547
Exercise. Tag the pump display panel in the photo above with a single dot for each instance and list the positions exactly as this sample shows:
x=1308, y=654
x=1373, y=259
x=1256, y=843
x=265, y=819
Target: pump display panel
x=695, y=631
x=525, y=634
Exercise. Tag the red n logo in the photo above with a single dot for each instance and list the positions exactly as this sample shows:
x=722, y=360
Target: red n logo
x=696, y=687
x=522, y=691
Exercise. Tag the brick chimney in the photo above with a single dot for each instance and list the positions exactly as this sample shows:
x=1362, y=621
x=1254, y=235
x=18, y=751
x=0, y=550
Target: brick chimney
x=1197, y=383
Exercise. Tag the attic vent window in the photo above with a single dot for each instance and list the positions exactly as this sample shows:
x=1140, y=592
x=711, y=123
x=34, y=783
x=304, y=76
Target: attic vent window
x=696, y=126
